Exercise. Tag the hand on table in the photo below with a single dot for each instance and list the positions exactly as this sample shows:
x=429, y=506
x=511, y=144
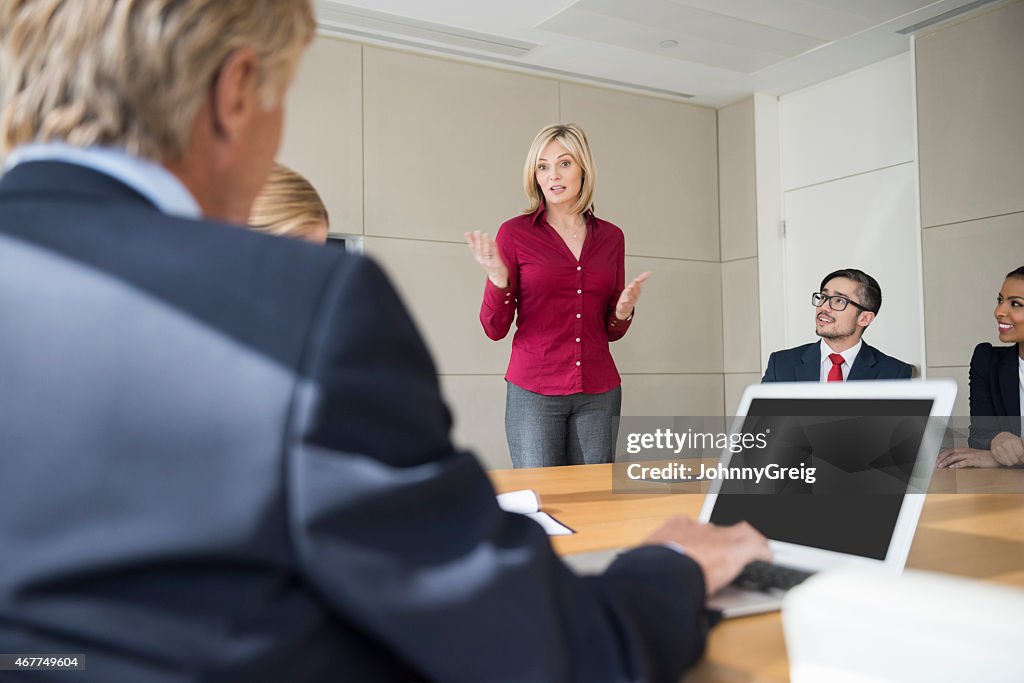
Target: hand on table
x=956, y=458
x=1007, y=449
x=485, y=252
x=630, y=295
x=721, y=551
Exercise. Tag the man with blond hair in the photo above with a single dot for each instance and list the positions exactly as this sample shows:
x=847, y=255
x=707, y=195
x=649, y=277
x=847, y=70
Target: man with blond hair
x=224, y=455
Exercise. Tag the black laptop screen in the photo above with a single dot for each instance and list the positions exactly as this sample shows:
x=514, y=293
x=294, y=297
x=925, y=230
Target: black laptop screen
x=863, y=452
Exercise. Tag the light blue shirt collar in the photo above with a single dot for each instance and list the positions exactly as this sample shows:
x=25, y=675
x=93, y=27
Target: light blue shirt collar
x=149, y=179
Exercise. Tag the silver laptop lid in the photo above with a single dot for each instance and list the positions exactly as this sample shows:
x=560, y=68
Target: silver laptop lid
x=861, y=456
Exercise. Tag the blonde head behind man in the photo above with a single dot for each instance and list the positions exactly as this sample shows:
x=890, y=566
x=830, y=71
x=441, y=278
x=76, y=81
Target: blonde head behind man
x=289, y=206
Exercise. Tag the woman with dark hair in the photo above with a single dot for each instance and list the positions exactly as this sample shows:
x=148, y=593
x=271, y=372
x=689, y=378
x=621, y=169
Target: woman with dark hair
x=997, y=388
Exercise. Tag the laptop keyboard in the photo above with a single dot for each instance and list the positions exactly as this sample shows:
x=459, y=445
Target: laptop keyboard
x=765, y=577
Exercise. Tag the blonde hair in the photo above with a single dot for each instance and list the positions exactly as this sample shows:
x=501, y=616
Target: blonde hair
x=134, y=73
x=288, y=205
x=572, y=137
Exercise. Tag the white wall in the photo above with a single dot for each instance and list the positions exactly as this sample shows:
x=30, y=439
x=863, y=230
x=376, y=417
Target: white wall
x=849, y=194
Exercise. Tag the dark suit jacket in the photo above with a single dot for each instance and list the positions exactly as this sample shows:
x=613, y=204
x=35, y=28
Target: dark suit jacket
x=803, y=364
x=225, y=457
x=995, y=393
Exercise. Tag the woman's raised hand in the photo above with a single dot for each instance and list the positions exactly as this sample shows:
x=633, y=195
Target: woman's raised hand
x=630, y=295
x=485, y=251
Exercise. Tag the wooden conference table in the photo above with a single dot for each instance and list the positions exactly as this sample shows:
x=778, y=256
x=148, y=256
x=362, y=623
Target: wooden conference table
x=972, y=525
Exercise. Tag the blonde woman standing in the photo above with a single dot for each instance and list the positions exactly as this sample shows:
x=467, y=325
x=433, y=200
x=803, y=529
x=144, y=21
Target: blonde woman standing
x=289, y=206
x=559, y=271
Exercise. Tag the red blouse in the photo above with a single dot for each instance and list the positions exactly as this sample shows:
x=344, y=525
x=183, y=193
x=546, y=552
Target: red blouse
x=564, y=308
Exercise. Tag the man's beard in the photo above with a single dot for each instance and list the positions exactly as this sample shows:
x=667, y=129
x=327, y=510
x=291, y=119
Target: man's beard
x=836, y=333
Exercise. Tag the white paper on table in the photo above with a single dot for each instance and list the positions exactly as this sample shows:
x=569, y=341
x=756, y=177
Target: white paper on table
x=551, y=525
x=525, y=502
x=522, y=502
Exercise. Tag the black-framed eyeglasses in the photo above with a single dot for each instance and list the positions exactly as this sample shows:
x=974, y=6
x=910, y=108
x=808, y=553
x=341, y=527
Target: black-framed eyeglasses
x=835, y=302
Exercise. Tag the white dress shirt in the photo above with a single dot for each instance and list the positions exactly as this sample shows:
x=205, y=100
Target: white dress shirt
x=849, y=355
x=149, y=179
x=1020, y=380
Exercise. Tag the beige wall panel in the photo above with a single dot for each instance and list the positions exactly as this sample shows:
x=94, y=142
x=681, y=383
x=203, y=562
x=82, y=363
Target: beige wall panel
x=678, y=325
x=964, y=265
x=477, y=403
x=657, y=169
x=771, y=244
x=737, y=180
x=970, y=94
x=442, y=286
x=323, y=137
x=735, y=385
x=962, y=405
x=672, y=395
x=740, y=329
x=445, y=143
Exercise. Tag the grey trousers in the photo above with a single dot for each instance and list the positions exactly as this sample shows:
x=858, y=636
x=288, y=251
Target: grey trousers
x=560, y=430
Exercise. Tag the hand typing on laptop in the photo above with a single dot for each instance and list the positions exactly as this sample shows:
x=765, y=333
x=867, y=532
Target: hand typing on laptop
x=721, y=551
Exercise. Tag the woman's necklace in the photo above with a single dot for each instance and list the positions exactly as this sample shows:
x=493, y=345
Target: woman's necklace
x=562, y=231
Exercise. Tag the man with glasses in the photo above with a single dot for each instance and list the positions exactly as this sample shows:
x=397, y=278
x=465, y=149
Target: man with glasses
x=846, y=303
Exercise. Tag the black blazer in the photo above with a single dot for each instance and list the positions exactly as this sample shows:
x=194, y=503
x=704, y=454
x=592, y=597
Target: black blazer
x=995, y=393
x=225, y=457
x=803, y=364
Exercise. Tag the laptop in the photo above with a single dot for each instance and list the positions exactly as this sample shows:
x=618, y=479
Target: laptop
x=872, y=446
x=861, y=456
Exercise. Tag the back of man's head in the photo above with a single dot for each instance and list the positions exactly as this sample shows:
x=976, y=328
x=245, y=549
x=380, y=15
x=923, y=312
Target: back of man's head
x=134, y=74
x=868, y=289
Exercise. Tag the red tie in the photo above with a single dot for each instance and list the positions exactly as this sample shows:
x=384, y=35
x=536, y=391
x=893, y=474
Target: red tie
x=835, y=374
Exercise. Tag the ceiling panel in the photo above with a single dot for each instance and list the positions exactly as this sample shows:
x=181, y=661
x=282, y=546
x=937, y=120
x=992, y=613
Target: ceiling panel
x=692, y=22
x=601, y=28
x=798, y=16
x=727, y=49
x=876, y=11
